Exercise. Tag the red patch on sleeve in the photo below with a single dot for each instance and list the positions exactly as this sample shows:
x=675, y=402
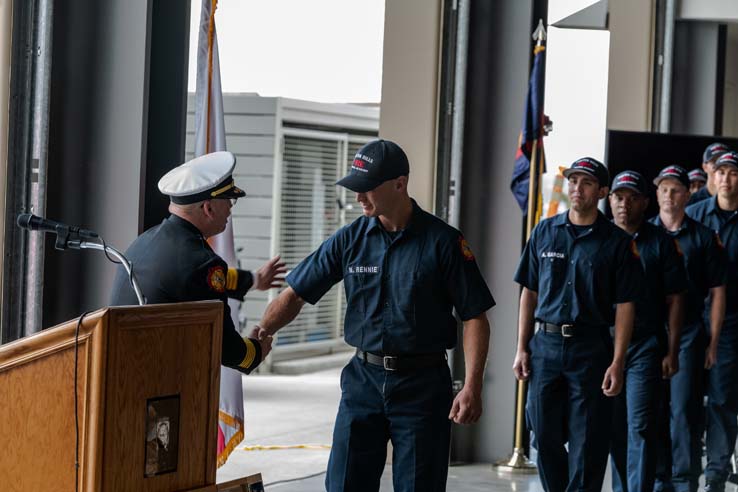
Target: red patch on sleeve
x=217, y=279
x=466, y=251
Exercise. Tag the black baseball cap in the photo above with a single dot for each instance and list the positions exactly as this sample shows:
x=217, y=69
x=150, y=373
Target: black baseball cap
x=713, y=151
x=697, y=174
x=374, y=163
x=729, y=158
x=590, y=166
x=675, y=172
x=630, y=180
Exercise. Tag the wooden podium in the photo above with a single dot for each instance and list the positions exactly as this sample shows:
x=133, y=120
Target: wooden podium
x=148, y=381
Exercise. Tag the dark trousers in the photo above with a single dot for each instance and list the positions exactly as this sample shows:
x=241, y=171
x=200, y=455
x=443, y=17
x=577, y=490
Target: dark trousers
x=680, y=463
x=722, y=406
x=566, y=405
x=411, y=409
x=633, y=444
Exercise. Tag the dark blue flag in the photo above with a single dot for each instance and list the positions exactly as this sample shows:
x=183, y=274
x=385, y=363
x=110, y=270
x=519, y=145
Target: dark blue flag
x=531, y=132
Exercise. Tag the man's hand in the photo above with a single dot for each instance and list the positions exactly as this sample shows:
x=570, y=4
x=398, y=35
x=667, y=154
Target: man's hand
x=521, y=365
x=259, y=333
x=613, y=381
x=266, y=346
x=270, y=275
x=467, y=406
x=711, y=355
x=669, y=365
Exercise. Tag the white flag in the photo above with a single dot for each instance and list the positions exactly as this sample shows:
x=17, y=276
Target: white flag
x=210, y=137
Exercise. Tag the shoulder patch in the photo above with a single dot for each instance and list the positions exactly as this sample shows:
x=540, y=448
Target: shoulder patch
x=217, y=279
x=466, y=251
x=634, y=250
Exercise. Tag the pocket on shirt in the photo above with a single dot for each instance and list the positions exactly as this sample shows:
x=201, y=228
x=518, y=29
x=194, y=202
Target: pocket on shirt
x=355, y=286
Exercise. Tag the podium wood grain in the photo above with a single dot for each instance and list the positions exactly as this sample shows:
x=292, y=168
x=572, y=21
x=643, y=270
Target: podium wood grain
x=127, y=355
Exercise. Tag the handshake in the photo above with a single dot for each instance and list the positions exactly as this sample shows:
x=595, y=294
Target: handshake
x=260, y=335
x=259, y=344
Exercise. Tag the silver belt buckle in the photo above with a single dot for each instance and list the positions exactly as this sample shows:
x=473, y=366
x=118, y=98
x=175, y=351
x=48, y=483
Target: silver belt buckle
x=567, y=331
x=389, y=362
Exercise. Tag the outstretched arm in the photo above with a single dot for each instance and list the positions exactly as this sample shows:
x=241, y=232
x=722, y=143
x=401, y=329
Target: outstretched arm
x=280, y=312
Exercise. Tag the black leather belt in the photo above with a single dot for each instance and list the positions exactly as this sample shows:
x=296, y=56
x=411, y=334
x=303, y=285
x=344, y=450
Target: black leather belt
x=565, y=330
x=402, y=362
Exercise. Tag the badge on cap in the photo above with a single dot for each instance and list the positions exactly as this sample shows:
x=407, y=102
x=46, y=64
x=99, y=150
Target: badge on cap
x=217, y=279
x=202, y=178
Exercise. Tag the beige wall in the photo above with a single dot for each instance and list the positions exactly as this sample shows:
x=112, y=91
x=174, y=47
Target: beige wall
x=708, y=10
x=5, y=41
x=630, y=79
x=412, y=32
x=730, y=98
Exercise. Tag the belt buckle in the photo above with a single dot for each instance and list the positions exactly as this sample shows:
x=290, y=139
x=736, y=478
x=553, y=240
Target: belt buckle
x=567, y=331
x=389, y=362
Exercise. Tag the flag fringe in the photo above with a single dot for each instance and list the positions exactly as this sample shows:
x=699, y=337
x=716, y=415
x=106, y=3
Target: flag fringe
x=232, y=442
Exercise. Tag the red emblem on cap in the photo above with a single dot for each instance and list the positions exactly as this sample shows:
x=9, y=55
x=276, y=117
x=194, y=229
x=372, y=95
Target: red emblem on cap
x=359, y=163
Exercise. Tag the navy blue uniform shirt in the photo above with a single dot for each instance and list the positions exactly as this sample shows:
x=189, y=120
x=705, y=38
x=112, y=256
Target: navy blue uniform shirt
x=708, y=213
x=579, y=279
x=401, y=288
x=665, y=275
x=174, y=263
x=699, y=195
x=704, y=261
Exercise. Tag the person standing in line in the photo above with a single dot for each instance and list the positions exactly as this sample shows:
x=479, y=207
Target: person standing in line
x=720, y=213
x=697, y=180
x=711, y=154
x=404, y=271
x=654, y=347
x=680, y=460
x=580, y=275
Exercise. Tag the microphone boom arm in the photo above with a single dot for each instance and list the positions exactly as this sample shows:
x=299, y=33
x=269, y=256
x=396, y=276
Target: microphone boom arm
x=123, y=260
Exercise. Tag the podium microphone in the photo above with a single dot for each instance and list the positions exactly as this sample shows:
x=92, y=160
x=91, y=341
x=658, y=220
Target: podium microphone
x=36, y=223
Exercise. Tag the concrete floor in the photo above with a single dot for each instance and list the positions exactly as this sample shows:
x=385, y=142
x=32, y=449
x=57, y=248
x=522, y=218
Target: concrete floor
x=295, y=414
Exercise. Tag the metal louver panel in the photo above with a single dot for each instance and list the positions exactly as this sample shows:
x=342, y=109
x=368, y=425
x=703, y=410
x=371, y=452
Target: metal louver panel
x=309, y=215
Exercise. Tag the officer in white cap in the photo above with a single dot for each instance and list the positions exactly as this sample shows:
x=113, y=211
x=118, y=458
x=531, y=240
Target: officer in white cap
x=174, y=262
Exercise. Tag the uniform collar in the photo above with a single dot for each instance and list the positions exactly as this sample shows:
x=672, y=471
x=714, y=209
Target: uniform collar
x=563, y=219
x=412, y=226
x=686, y=222
x=712, y=205
x=178, y=221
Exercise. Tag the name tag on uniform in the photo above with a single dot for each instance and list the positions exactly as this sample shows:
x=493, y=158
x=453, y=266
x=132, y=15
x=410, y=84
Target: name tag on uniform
x=363, y=269
x=553, y=254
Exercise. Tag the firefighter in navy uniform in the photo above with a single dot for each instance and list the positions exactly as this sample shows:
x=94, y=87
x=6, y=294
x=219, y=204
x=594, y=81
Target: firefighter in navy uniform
x=651, y=357
x=173, y=261
x=709, y=157
x=720, y=213
x=404, y=273
x=580, y=275
x=680, y=452
x=697, y=180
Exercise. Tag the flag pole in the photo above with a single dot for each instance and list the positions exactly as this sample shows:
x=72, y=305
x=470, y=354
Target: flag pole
x=518, y=461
